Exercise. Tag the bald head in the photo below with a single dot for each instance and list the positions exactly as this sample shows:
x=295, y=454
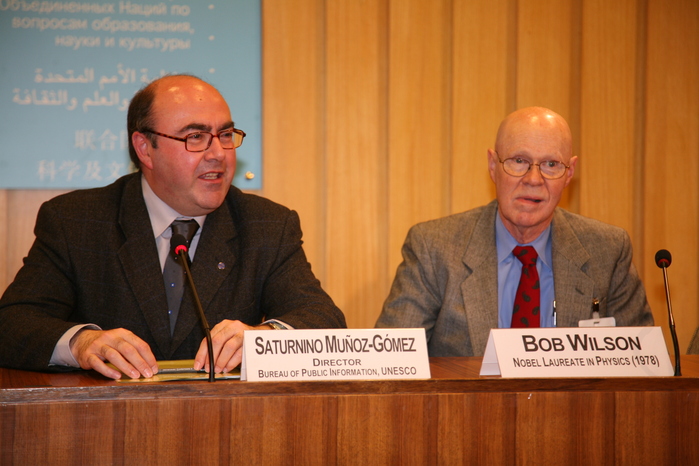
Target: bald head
x=172, y=87
x=526, y=202
x=534, y=123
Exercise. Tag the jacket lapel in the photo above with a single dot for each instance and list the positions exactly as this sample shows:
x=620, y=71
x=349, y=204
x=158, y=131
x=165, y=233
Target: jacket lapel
x=139, y=259
x=573, y=288
x=480, y=287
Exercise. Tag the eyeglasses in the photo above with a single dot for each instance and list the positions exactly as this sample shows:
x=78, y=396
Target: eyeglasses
x=549, y=169
x=201, y=140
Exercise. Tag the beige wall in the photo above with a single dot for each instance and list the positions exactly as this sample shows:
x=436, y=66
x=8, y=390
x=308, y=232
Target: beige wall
x=378, y=114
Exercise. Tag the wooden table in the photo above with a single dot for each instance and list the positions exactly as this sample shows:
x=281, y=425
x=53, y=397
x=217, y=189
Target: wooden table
x=456, y=417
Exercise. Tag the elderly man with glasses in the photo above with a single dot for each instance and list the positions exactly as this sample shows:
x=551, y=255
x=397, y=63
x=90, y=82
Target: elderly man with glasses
x=100, y=283
x=519, y=261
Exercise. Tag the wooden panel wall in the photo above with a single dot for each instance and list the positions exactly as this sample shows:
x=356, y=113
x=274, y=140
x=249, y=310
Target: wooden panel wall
x=377, y=114
x=670, y=176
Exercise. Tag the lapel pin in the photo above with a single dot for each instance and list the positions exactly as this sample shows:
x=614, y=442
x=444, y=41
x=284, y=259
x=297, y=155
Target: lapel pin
x=221, y=266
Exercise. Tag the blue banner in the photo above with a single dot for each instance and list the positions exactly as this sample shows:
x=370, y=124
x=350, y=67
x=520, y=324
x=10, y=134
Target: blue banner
x=68, y=70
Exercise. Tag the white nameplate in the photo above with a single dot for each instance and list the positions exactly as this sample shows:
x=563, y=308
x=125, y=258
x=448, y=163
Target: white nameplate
x=577, y=352
x=335, y=354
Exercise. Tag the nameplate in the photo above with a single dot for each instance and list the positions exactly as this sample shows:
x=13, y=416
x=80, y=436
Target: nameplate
x=577, y=352
x=335, y=354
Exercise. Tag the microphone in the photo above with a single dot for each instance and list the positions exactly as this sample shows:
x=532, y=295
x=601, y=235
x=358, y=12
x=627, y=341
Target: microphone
x=178, y=244
x=663, y=259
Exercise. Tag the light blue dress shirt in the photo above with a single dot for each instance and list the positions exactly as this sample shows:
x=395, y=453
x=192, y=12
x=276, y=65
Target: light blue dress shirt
x=510, y=270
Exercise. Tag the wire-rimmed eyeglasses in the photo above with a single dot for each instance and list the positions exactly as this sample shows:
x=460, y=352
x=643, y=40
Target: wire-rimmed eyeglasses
x=518, y=167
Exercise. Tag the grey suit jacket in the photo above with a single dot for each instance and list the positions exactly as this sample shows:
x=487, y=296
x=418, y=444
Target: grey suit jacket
x=448, y=280
x=95, y=261
x=694, y=343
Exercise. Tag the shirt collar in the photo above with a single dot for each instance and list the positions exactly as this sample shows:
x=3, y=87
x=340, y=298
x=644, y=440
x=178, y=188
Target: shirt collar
x=505, y=243
x=162, y=215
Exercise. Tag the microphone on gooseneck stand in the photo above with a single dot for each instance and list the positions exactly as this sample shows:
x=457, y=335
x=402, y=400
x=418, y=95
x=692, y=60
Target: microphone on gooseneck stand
x=178, y=244
x=663, y=259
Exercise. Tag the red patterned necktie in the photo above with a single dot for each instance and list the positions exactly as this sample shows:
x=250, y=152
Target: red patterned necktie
x=526, y=310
